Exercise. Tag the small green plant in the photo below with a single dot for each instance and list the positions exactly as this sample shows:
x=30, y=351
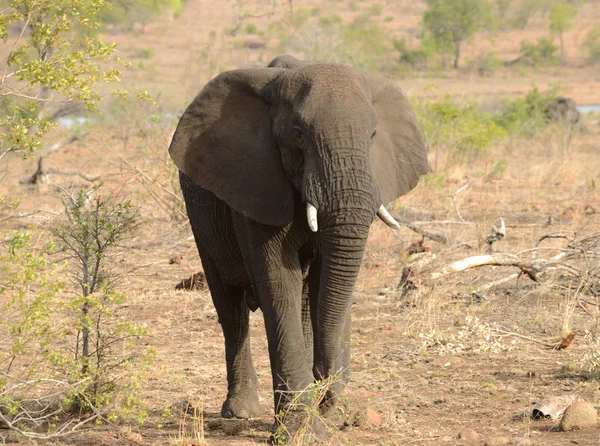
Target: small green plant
x=388, y=18
x=251, y=28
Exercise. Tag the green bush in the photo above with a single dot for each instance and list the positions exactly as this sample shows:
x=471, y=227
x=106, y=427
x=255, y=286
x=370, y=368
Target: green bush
x=525, y=116
x=485, y=64
x=250, y=28
x=544, y=53
x=419, y=58
x=592, y=44
x=463, y=131
x=62, y=351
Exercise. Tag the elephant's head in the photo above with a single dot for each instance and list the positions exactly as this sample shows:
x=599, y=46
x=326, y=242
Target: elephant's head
x=343, y=142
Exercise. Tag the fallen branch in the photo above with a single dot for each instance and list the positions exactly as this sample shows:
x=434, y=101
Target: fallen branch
x=440, y=238
x=497, y=259
x=40, y=176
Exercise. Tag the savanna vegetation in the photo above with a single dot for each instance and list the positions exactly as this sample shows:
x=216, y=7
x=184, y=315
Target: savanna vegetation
x=98, y=347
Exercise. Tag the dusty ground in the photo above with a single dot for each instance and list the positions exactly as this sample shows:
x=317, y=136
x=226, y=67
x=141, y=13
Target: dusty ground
x=422, y=395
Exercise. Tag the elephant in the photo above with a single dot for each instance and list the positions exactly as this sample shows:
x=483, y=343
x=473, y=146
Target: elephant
x=283, y=170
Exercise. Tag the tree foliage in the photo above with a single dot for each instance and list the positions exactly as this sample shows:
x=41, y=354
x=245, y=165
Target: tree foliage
x=450, y=22
x=52, y=55
x=592, y=44
x=561, y=20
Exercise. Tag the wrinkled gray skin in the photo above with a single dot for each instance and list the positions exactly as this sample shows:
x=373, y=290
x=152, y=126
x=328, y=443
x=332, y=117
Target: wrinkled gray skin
x=254, y=147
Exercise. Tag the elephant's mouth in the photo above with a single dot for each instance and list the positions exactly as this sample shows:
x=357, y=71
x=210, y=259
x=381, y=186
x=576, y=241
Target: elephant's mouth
x=382, y=213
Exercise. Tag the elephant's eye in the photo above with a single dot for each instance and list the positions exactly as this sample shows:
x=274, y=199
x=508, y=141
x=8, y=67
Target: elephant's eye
x=297, y=132
x=374, y=133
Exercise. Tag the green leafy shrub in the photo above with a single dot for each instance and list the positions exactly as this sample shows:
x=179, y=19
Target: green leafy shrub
x=525, y=116
x=592, y=44
x=250, y=28
x=485, y=64
x=62, y=351
x=544, y=53
x=462, y=131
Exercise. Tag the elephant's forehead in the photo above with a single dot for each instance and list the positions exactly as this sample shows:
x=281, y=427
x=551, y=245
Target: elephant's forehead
x=326, y=86
x=327, y=78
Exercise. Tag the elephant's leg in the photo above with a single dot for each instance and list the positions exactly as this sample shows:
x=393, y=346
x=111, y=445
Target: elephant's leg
x=307, y=321
x=233, y=313
x=280, y=295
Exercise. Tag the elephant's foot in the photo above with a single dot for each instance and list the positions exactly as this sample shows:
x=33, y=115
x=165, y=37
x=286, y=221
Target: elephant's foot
x=298, y=428
x=241, y=407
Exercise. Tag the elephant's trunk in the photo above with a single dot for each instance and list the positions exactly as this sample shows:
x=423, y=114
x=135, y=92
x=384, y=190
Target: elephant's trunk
x=342, y=248
x=347, y=205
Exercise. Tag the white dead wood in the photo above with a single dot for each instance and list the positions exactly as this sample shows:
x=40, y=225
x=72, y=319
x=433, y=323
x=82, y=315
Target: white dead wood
x=498, y=259
x=453, y=198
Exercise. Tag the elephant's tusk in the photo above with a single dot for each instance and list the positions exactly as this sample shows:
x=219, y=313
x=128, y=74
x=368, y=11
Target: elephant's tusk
x=311, y=216
x=387, y=218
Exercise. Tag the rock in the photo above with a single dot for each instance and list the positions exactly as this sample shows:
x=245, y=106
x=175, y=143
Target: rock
x=373, y=418
x=361, y=417
x=579, y=415
x=496, y=441
x=565, y=110
x=182, y=408
x=468, y=435
x=195, y=282
x=552, y=407
x=233, y=427
x=356, y=418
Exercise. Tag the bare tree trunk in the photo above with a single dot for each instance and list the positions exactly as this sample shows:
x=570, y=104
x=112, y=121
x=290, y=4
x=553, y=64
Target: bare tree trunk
x=456, y=53
x=85, y=340
x=563, y=56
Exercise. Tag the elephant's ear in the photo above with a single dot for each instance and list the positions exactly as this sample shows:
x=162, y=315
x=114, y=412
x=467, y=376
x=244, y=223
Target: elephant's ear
x=224, y=143
x=398, y=155
x=289, y=62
